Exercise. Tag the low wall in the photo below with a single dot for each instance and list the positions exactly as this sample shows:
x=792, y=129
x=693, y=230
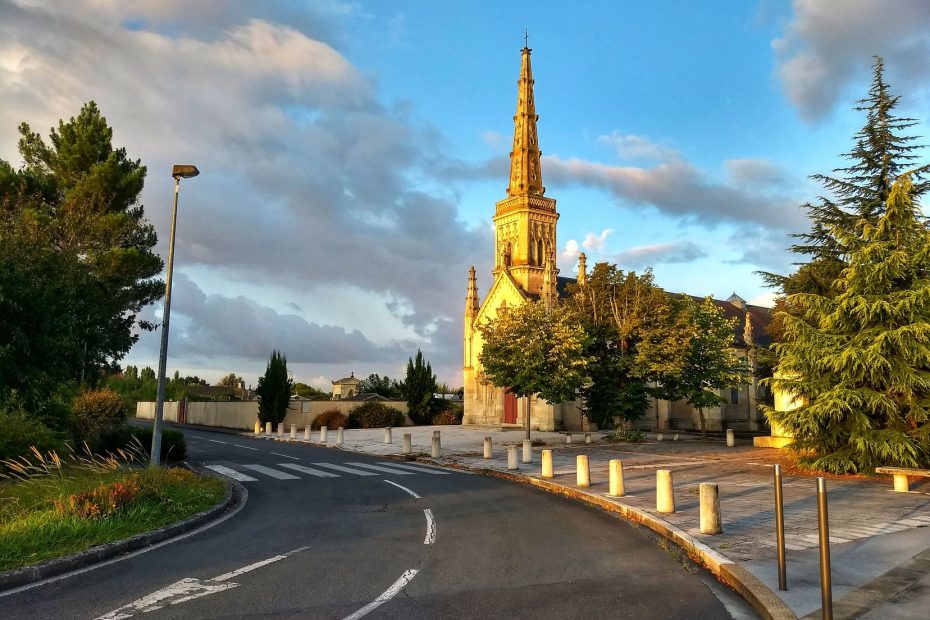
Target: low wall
x=243, y=415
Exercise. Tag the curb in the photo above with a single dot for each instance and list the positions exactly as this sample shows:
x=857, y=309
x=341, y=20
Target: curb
x=756, y=593
x=234, y=494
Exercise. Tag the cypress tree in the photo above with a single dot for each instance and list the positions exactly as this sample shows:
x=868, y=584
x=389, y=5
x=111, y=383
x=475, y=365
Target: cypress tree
x=274, y=390
x=858, y=360
x=418, y=389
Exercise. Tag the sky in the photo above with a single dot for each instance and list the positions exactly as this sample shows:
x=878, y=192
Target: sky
x=351, y=152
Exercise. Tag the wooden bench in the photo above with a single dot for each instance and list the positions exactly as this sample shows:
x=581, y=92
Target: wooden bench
x=900, y=476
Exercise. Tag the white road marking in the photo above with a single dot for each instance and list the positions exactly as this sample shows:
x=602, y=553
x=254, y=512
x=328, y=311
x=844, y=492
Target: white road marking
x=396, y=472
x=274, y=473
x=216, y=441
x=415, y=496
x=385, y=596
x=246, y=447
x=231, y=473
x=309, y=470
x=287, y=456
x=187, y=589
x=417, y=468
x=348, y=470
x=448, y=470
x=430, y=527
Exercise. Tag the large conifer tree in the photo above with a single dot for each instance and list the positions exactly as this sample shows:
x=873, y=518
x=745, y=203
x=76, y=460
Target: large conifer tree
x=858, y=359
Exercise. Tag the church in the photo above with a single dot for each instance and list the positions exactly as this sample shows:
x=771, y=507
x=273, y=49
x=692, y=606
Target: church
x=525, y=269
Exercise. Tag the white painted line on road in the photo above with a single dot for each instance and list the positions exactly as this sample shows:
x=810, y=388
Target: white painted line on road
x=216, y=441
x=430, y=527
x=396, y=472
x=448, y=470
x=385, y=596
x=319, y=473
x=247, y=569
x=274, y=473
x=415, y=496
x=287, y=456
x=231, y=473
x=416, y=468
x=246, y=447
x=348, y=470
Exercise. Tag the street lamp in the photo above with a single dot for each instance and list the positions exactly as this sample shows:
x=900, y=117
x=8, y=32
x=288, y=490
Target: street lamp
x=178, y=172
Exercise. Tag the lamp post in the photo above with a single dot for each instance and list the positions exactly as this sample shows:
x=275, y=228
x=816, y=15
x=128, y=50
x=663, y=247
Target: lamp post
x=178, y=172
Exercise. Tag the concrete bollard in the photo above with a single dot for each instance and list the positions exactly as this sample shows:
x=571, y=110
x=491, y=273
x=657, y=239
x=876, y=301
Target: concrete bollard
x=659, y=437
x=584, y=473
x=527, y=451
x=488, y=451
x=512, y=457
x=387, y=435
x=408, y=444
x=436, y=451
x=710, y=509
x=731, y=441
x=280, y=428
x=587, y=438
x=267, y=428
x=293, y=431
x=616, y=479
x=675, y=437
x=339, y=436
x=323, y=431
x=307, y=431
x=258, y=427
x=436, y=433
x=546, y=463
x=665, y=494
x=568, y=437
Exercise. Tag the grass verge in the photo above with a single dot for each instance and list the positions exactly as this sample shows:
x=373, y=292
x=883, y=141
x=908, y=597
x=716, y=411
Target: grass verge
x=76, y=508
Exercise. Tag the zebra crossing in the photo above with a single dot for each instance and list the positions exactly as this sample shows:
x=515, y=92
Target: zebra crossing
x=247, y=472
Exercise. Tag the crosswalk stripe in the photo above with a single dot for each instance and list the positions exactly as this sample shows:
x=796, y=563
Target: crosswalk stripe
x=274, y=473
x=396, y=472
x=348, y=470
x=309, y=470
x=231, y=473
x=417, y=468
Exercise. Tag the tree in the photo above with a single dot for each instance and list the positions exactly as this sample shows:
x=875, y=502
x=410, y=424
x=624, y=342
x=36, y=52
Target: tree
x=274, y=390
x=418, y=389
x=75, y=201
x=380, y=385
x=309, y=392
x=231, y=380
x=709, y=364
x=858, y=361
x=533, y=349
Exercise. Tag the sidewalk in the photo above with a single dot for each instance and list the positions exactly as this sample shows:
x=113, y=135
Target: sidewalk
x=880, y=540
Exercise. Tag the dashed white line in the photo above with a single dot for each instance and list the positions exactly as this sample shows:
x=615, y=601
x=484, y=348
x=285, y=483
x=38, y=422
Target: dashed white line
x=430, y=527
x=216, y=441
x=385, y=596
x=415, y=496
x=246, y=447
x=287, y=456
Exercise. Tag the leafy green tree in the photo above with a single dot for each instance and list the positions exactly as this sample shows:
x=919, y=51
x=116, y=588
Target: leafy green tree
x=710, y=363
x=533, y=349
x=231, y=380
x=309, y=392
x=380, y=385
x=274, y=390
x=858, y=360
x=418, y=389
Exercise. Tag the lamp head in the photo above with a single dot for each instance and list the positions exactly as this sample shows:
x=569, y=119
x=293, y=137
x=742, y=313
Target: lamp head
x=184, y=171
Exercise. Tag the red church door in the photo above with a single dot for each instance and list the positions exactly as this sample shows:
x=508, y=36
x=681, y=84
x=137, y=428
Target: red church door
x=510, y=407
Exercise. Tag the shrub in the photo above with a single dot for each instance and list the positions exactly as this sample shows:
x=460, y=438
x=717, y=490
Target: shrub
x=332, y=418
x=134, y=438
x=447, y=417
x=96, y=411
x=101, y=501
x=629, y=436
x=19, y=432
x=373, y=414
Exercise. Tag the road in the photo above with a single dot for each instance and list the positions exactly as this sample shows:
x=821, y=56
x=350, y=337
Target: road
x=326, y=534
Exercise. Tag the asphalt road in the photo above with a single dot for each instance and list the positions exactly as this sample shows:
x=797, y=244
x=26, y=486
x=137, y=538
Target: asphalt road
x=330, y=543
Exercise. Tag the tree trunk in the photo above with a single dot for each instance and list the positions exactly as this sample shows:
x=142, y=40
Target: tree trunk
x=703, y=424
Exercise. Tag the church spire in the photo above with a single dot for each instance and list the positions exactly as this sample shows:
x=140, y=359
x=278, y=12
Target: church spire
x=525, y=176
x=471, y=299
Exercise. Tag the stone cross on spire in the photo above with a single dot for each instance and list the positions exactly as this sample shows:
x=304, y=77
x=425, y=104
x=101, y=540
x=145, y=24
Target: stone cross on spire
x=525, y=176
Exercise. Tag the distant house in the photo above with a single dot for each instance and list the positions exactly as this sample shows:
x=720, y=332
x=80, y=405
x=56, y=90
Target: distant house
x=346, y=387
x=363, y=396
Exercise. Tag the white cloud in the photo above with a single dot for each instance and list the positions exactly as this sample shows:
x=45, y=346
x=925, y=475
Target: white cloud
x=766, y=300
x=654, y=254
x=636, y=147
x=596, y=242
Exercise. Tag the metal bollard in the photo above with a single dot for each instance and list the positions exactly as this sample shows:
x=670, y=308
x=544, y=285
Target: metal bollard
x=323, y=430
x=527, y=451
x=659, y=437
x=408, y=444
x=665, y=493
x=780, y=532
x=307, y=432
x=587, y=437
x=488, y=452
x=616, y=478
x=436, y=451
x=512, y=457
x=823, y=521
x=267, y=428
x=583, y=472
x=568, y=437
x=710, y=509
x=258, y=427
x=293, y=431
x=546, y=464
x=339, y=436
x=280, y=428
x=387, y=435
x=731, y=441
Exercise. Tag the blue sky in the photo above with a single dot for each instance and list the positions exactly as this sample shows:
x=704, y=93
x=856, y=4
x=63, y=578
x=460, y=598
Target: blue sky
x=352, y=152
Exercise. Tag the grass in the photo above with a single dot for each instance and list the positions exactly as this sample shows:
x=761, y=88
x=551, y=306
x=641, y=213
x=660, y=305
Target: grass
x=33, y=529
